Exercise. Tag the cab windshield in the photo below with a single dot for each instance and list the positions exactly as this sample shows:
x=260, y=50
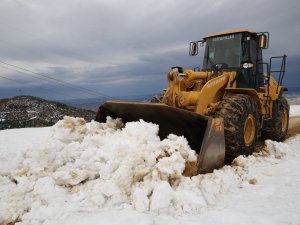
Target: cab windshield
x=223, y=50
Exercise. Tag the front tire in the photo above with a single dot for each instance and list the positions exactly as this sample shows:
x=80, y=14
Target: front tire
x=241, y=125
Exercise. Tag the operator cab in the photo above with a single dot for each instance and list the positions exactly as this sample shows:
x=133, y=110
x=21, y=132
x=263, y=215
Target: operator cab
x=238, y=50
x=224, y=50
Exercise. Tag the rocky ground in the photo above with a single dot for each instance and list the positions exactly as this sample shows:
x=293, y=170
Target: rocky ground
x=28, y=111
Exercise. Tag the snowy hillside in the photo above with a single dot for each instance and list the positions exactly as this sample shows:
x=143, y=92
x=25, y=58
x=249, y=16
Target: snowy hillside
x=79, y=173
x=29, y=111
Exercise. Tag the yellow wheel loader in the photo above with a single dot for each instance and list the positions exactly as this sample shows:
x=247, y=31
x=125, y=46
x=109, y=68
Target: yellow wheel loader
x=223, y=108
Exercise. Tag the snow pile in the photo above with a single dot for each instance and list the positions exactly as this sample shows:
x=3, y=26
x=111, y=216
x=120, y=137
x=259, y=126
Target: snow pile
x=273, y=151
x=88, y=167
x=295, y=110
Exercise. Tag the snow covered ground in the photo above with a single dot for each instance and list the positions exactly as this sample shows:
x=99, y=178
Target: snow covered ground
x=295, y=110
x=78, y=173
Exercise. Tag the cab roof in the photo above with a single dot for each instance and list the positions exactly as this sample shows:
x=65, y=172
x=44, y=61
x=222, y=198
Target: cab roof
x=229, y=32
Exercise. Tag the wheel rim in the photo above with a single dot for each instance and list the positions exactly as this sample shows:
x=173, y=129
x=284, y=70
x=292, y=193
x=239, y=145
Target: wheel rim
x=284, y=121
x=249, y=130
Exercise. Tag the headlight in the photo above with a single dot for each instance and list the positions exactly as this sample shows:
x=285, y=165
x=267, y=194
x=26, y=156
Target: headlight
x=247, y=65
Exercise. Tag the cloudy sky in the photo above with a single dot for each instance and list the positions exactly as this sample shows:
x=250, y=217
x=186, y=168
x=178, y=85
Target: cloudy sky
x=115, y=47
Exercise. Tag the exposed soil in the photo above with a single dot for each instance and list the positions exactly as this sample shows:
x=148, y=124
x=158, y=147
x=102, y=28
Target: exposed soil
x=294, y=121
x=294, y=128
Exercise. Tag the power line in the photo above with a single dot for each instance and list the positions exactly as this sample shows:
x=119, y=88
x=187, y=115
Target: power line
x=44, y=89
x=61, y=82
x=40, y=78
x=16, y=70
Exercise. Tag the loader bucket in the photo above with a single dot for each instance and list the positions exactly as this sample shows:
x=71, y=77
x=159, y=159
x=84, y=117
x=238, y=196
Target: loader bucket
x=204, y=134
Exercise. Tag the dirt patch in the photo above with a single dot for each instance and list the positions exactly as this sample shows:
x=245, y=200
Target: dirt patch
x=252, y=181
x=190, y=169
x=14, y=222
x=294, y=121
x=294, y=129
x=294, y=126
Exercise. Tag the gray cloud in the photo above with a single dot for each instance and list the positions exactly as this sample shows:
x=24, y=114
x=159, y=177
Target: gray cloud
x=123, y=48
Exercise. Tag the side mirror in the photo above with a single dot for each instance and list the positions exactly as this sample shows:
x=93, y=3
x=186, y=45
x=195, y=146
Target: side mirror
x=263, y=41
x=193, y=48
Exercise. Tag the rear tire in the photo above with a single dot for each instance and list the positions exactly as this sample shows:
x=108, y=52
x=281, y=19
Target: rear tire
x=276, y=128
x=157, y=98
x=241, y=125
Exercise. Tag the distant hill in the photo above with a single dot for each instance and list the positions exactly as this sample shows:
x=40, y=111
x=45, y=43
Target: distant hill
x=28, y=111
